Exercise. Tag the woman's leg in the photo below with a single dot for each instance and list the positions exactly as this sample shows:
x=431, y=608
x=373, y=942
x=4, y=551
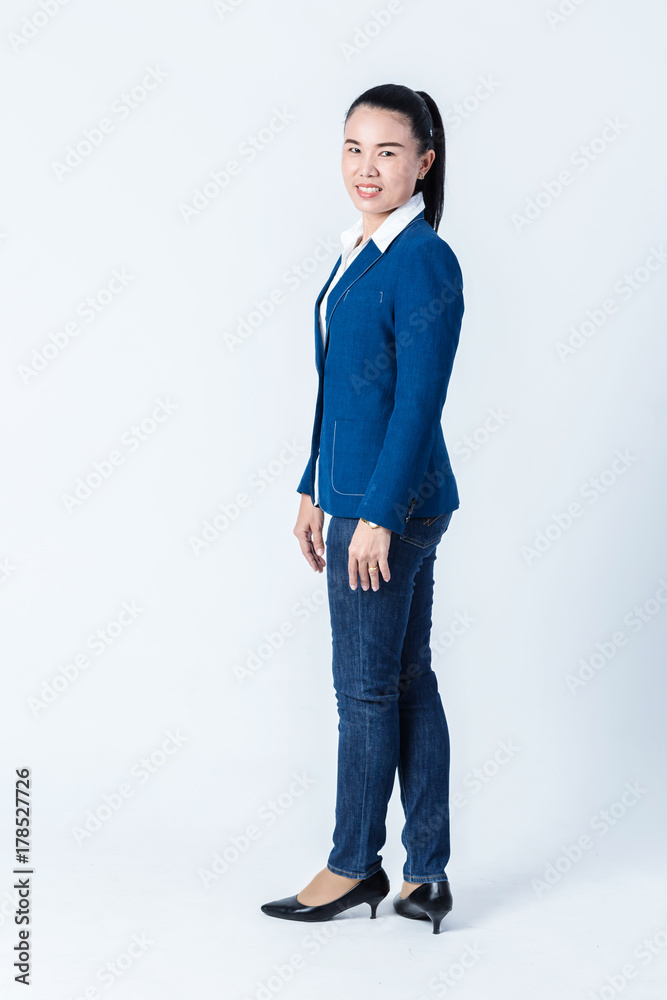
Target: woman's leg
x=424, y=744
x=368, y=633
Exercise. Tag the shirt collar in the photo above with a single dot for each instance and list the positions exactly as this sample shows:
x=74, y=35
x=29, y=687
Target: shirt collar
x=389, y=229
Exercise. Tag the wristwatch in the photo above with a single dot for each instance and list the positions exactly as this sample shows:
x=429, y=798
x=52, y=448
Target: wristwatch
x=371, y=524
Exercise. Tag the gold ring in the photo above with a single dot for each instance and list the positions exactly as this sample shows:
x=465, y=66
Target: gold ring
x=371, y=568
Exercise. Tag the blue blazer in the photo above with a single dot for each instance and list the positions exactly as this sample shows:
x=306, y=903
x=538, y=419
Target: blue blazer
x=392, y=321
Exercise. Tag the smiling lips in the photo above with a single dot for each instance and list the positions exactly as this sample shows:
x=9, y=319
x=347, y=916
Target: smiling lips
x=368, y=190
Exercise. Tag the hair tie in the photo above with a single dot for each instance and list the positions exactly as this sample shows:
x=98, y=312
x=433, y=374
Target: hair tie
x=425, y=107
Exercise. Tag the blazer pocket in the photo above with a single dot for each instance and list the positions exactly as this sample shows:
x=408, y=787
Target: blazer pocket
x=354, y=453
x=367, y=297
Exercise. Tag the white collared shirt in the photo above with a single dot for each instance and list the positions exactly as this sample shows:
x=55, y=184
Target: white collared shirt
x=382, y=237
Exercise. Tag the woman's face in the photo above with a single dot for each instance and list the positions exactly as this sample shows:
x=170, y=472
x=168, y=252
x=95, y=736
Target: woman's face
x=380, y=163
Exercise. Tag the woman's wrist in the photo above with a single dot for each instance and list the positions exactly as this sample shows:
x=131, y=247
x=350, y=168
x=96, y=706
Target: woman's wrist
x=371, y=524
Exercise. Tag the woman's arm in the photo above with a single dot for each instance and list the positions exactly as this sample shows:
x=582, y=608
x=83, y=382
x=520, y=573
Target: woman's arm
x=428, y=312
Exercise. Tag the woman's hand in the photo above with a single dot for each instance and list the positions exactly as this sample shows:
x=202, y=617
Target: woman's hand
x=369, y=547
x=308, y=529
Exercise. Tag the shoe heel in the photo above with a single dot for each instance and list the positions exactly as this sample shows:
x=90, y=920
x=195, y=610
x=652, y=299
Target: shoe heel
x=436, y=910
x=436, y=913
x=432, y=900
x=374, y=903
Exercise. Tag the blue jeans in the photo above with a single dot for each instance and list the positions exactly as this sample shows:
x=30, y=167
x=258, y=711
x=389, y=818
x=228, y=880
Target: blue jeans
x=389, y=708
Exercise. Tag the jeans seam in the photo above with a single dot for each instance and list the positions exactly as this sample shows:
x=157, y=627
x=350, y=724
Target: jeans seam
x=344, y=871
x=364, y=799
x=422, y=545
x=400, y=774
x=427, y=878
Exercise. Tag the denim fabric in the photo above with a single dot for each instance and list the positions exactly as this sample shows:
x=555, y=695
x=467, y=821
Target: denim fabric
x=389, y=707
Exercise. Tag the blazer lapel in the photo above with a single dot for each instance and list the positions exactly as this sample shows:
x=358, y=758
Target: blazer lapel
x=352, y=273
x=319, y=348
x=359, y=266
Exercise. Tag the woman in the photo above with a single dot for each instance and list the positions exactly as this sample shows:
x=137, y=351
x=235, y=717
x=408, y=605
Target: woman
x=387, y=323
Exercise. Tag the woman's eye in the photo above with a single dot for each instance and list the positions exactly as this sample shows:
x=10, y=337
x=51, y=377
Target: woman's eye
x=355, y=149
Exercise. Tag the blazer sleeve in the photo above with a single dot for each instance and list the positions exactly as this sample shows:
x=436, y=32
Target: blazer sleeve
x=304, y=485
x=428, y=310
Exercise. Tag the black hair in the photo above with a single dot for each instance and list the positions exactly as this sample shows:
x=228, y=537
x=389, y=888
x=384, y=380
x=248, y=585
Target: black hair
x=426, y=126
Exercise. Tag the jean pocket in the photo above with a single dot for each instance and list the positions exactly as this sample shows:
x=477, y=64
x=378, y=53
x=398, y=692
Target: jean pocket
x=426, y=531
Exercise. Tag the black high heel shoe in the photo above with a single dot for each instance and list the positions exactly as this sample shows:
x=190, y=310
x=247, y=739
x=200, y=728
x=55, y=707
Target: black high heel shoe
x=371, y=890
x=430, y=900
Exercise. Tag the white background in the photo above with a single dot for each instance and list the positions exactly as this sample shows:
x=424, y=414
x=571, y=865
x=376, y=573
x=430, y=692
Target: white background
x=236, y=418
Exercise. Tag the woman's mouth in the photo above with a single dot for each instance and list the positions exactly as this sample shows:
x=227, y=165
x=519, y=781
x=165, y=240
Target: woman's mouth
x=368, y=190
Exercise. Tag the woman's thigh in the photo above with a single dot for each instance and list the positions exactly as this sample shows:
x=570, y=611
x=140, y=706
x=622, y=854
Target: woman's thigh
x=369, y=627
